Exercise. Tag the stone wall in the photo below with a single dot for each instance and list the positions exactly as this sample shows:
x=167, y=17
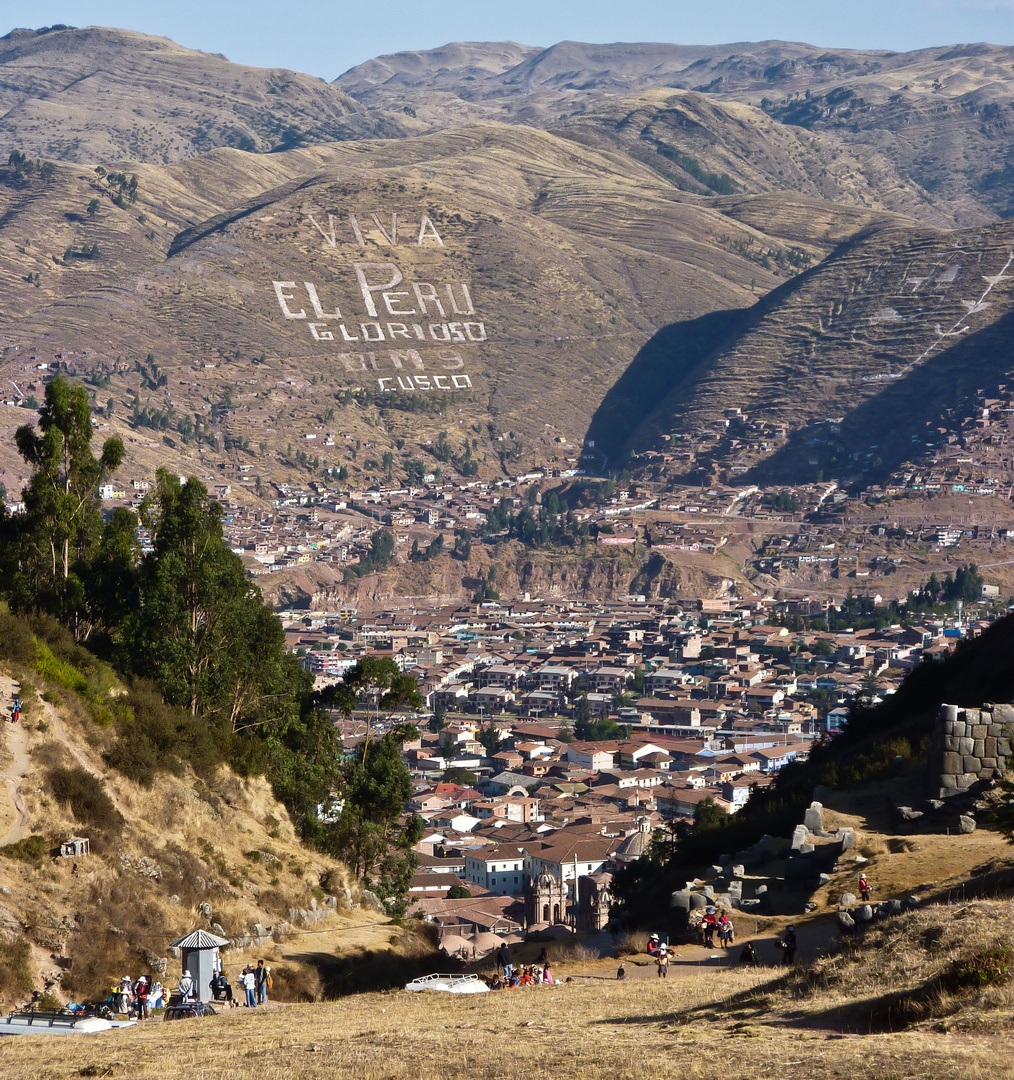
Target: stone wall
x=970, y=745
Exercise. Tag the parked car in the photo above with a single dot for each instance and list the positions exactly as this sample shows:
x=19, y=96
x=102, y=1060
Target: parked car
x=188, y=1010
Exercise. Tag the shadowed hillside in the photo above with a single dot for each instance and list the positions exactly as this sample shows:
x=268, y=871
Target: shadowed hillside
x=856, y=356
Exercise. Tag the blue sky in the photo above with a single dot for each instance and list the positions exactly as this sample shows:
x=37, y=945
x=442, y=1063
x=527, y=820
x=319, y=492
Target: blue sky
x=325, y=39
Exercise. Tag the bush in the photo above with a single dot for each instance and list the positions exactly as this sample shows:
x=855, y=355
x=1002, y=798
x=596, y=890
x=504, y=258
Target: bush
x=86, y=797
x=296, y=984
x=57, y=671
x=156, y=737
x=990, y=966
x=30, y=849
x=16, y=641
x=632, y=945
x=15, y=972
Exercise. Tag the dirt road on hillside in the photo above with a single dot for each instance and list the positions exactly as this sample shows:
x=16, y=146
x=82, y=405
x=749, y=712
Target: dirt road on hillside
x=16, y=773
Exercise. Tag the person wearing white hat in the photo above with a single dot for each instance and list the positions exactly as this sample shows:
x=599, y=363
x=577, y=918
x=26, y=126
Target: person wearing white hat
x=185, y=987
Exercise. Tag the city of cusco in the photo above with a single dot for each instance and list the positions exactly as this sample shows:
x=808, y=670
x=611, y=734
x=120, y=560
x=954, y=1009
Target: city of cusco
x=507, y=540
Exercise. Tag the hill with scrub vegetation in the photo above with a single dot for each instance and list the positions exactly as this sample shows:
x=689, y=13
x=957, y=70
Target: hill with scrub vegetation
x=165, y=721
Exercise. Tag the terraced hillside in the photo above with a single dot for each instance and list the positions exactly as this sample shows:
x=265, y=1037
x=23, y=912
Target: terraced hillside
x=855, y=359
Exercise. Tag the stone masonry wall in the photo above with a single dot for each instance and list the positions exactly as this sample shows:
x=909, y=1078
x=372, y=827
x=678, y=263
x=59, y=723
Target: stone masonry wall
x=970, y=745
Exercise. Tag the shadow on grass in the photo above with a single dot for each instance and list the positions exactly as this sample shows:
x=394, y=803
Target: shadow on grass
x=372, y=969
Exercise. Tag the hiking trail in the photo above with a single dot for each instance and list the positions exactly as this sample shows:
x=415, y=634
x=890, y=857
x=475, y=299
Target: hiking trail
x=16, y=772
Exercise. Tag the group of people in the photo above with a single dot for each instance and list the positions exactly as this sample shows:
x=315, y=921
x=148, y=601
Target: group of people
x=15, y=709
x=712, y=924
x=136, y=998
x=508, y=976
x=786, y=943
x=256, y=982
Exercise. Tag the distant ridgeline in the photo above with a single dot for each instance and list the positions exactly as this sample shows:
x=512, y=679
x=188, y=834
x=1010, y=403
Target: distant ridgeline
x=939, y=723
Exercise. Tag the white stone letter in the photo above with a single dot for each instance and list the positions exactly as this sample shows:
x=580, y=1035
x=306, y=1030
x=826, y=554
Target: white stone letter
x=466, y=300
x=311, y=291
x=423, y=292
x=368, y=290
x=391, y=300
x=281, y=292
x=392, y=237
x=357, y=230
x=450, y=359
x=433, y=234
x=329, y=236
x=413, y=357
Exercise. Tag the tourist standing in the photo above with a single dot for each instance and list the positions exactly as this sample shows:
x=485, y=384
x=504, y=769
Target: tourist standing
x=726, y=932
x=505, y=959
x=261, y=979
x=141, y=997
x=249, y=981
x=788, y=944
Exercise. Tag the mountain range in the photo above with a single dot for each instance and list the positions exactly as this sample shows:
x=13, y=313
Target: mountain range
x=559, y=256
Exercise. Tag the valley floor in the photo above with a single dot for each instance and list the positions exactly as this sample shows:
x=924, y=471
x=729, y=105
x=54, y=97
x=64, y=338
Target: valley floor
x=589, y=1029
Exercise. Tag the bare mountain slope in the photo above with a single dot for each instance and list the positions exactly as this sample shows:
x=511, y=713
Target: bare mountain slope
x=98, y=94
x=942, y=116
x=708, y=146
x=562, y=261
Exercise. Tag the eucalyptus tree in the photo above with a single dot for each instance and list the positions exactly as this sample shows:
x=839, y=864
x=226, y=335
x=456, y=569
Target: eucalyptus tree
x=61, y=529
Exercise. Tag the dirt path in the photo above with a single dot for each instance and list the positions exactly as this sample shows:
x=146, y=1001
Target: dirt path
x=14, y=776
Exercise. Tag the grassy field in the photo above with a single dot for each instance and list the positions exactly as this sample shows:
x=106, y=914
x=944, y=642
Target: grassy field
x=689, y=1027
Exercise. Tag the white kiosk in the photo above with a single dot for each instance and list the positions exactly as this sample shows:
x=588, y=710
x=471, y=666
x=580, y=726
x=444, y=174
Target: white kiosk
x=199, y=956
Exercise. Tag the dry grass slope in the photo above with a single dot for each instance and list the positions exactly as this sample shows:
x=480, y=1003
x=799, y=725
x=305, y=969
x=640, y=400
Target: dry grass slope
x=696, y=1025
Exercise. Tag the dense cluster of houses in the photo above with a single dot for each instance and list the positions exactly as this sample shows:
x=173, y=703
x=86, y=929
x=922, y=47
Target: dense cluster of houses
x=704, y=701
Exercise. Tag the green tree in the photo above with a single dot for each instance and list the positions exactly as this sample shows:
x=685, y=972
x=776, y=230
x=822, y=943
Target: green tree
x=636, y=681
x=306, y=754
x=462, y=544
x=375, y=787
x=381, y=548
x=709, y=815
x=111, y=584
x=201, y=629
x=62, y=523
x=489, y=736
x=93, y=207
x=383, y=685
x=457, y=775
